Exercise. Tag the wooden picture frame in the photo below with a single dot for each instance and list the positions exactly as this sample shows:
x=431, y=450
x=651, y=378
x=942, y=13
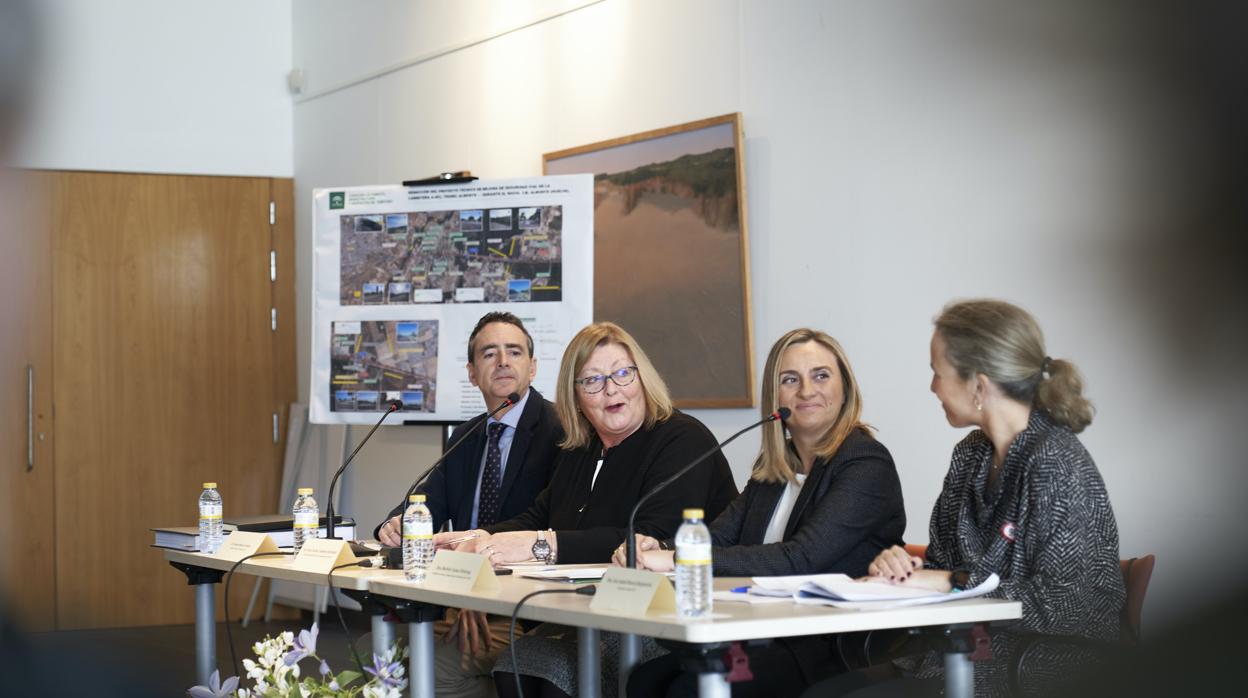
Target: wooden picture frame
x=671, y=252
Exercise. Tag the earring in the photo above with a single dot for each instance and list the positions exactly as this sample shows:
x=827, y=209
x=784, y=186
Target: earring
x=978, y=406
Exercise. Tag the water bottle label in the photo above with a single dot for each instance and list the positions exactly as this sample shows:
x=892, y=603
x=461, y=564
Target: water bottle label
x=415, y=530
x=306, y=519
x=209, y=511
x=695, y=554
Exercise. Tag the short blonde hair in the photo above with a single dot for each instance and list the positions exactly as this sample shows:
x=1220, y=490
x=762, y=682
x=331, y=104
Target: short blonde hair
x=1004, y=342
x=776, y=461
x=576, y=428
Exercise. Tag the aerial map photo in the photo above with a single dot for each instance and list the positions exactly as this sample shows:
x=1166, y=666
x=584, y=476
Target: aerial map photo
x=476, y=255
x=372, y=362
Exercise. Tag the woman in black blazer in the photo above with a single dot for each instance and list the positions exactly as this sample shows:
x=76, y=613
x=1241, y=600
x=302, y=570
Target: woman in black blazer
x=821, y=500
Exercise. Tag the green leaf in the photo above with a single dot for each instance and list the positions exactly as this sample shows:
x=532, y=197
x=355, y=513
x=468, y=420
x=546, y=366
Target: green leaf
x=345, y=678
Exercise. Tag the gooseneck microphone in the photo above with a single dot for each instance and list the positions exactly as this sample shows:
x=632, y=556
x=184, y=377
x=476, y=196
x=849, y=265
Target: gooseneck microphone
x=630, y=543
x=395, y=406
x=511, y=400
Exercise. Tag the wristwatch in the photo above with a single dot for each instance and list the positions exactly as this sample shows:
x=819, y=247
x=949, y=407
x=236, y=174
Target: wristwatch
x=541, y=549
x=960, y=579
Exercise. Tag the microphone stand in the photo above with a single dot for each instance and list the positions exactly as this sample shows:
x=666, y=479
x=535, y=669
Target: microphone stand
x=630, y=543
x=395, y=406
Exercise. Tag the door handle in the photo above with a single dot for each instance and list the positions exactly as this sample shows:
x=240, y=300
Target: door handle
x=30, y=418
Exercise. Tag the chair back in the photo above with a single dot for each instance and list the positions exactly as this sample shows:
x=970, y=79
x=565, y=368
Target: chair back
x=1136, y=572
x=916, y=550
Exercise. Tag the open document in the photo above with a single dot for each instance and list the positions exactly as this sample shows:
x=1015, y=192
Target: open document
x=841, y=591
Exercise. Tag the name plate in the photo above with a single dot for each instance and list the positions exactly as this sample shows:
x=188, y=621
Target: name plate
x=320, y=555
x=633, y=592
x=240, y=544
x=458, y=572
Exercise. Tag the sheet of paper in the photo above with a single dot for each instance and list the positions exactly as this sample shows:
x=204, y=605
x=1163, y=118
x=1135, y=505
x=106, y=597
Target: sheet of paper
x=747, y=597
x=986, y=587
x=564, y=572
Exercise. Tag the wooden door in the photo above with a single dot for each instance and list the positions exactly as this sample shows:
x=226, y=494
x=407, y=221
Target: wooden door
x=168, y=374
x=27, y=523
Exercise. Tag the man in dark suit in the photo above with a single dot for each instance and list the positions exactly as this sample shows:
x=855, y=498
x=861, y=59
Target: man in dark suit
x=493, y=476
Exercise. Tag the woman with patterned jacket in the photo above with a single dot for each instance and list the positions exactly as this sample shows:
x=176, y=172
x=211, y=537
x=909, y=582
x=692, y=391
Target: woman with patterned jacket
x=1022, y=499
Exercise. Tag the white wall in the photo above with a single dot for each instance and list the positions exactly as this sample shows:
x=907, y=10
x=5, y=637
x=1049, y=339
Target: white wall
x=167, y=87
x=898, y=155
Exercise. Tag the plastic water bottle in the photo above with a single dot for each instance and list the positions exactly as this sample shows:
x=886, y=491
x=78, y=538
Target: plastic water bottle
x=417, y=539
x=693, y=566
x=210, y=526
x=307, y=517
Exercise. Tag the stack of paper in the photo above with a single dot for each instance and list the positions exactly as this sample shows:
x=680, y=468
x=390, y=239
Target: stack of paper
x=841, y=591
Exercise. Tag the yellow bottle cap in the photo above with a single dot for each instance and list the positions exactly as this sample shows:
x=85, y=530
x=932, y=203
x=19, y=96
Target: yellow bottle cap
x=210, y=485
x=692, y=513
x=416, y=498
x=305, y=490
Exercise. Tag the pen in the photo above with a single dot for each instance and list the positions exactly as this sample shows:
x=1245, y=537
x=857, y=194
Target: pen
x=457, y=541
x=741, y=590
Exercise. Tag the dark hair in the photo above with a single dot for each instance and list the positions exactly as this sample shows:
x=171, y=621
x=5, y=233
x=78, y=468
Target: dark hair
x=497, y=316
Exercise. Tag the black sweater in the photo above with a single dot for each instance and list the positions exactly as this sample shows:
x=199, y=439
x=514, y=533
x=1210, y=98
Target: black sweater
x=590, y=524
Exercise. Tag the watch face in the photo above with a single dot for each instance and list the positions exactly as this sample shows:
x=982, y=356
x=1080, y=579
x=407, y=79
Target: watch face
x=541, y=550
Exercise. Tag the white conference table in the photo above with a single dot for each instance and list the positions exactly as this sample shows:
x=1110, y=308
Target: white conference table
x=730, y=622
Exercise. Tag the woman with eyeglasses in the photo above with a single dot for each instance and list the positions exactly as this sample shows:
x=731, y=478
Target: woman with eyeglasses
x=622, y=437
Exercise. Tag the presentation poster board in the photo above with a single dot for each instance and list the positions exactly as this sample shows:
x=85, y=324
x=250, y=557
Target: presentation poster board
x=402, y=274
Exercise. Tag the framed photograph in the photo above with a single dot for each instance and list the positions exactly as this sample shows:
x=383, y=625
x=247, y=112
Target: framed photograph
x=671, y=252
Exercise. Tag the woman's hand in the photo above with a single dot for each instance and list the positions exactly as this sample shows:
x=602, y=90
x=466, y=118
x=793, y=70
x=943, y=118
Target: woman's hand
x=657, y=560
x=504, y=548
x=894, y=564
x=472, y=631
x=644, y=543
x=934, y=580
x=391, y=532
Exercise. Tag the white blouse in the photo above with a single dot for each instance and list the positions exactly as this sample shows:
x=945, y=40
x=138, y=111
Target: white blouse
x=784, y=508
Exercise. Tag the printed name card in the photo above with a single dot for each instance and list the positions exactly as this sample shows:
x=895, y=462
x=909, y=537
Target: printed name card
x=240, y=544
x=458, y=571
x=633, y=592
x=320, y=555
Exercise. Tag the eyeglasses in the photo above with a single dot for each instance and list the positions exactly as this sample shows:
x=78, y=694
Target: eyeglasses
x=594, y=384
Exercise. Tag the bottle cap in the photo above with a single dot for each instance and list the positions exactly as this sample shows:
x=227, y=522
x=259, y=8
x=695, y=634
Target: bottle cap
x=210, y=485
x=692, y=513
x=305, y=490
x=416, y=498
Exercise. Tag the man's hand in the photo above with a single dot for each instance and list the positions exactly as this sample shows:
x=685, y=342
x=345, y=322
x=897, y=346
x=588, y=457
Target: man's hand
x=391, y=532
x=472, y=632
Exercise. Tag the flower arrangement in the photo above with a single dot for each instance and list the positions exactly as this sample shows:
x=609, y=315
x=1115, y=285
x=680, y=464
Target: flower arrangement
x=276, y=673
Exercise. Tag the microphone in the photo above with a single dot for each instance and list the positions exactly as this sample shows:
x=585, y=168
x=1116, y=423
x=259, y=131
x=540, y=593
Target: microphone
x=395, y=406
x=512, y=399
x=630, y=543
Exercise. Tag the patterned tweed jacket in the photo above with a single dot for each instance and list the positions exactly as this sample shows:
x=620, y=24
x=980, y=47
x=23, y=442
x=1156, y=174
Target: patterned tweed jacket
x=1047, y=529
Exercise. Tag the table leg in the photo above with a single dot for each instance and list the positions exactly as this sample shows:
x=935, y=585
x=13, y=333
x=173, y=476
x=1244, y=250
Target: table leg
x=205, y=632
x=630, y=654
x=588, y=663
x=420, y=658
x=959, y=675
x=383, y=635
x=713, y=685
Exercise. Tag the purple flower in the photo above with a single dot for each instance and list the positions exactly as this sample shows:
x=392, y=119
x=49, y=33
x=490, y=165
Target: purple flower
x=214, y=689
x=385, y=672
x=305, y=645
x=324, y=667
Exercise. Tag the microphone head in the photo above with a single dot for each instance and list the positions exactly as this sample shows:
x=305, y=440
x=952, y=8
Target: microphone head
x=782, y=414
x=513, y=398
x=396, y=405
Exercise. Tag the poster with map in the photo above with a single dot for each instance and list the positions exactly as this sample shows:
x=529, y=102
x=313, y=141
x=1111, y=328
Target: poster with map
x=402, y=274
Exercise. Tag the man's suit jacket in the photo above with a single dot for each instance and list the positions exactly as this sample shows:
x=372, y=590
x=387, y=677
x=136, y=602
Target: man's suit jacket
x=452, y=485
